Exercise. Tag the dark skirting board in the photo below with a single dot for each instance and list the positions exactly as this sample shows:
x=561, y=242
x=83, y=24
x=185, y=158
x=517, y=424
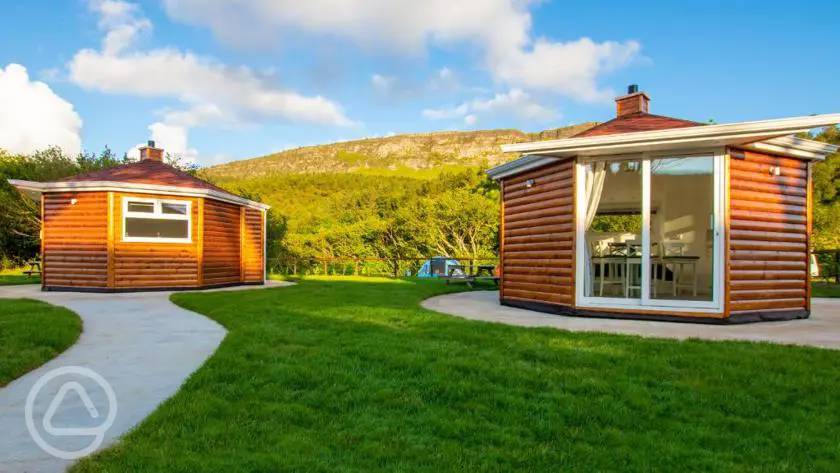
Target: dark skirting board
x=742, y=318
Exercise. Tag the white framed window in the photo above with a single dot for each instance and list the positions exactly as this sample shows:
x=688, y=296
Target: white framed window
x=157, y=220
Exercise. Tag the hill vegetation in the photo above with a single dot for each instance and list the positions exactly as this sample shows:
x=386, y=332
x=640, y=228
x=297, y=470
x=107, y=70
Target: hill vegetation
x=413, y=155
x=393, y=199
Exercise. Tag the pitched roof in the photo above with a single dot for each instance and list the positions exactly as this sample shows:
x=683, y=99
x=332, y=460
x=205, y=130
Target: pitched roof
x=639, y=121
x=145, y=172
x=147, y=176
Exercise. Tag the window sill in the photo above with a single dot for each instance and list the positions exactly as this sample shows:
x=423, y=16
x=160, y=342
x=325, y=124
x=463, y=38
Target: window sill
x=156, y=240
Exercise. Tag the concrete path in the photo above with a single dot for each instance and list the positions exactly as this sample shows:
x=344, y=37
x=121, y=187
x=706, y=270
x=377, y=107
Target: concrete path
x=141, y=344
x=821, y=330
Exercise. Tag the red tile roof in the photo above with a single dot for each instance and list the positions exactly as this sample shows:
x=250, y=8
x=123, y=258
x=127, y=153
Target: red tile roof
x=639, y=121
x=145, y=172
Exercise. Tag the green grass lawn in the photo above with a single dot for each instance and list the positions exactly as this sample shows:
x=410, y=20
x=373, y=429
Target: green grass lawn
x=819, y=289
x=32, y=333
x=10, y=277
x=352, y=375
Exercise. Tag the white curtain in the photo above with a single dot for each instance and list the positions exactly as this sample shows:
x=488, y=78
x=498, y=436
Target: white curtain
x=594, y=186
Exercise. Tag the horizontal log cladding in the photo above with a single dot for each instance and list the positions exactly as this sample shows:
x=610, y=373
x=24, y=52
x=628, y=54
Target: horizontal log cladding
x=252, y=246
x=75, y=239
x=768, y=234
x=538, y=237
x=221, y=243
x=154, y=265
x=83, y=245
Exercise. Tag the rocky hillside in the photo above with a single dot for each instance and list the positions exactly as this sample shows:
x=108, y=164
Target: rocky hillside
x=399, y=153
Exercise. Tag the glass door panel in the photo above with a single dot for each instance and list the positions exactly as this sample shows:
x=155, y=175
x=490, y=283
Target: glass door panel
x=682, y=229
x=612, y=213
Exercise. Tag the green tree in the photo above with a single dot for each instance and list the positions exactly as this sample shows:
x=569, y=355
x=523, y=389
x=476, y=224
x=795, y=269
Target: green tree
x=826, y=180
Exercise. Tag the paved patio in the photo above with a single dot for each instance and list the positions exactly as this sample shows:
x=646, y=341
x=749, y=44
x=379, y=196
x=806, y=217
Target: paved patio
x=821, y=330
x=143, y=345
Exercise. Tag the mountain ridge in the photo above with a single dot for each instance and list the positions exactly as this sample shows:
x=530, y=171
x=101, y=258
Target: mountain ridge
x=421, y=152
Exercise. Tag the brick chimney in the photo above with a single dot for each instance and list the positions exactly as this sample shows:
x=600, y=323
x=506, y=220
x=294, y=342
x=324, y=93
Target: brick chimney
x=149, y=152
x=633, y=102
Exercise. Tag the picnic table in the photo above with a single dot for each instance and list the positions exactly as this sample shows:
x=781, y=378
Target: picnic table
x=459, y=274
x=34, y=268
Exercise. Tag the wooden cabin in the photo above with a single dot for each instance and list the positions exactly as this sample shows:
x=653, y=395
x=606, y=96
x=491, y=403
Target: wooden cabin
x=647, y=216
x=146, y=226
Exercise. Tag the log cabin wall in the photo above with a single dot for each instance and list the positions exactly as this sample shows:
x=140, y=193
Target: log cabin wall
x=83, y=247
x=75, y=239
x=537, y=247
x=252, y=246
x=768, y=234
x=154, y=265
x=222, y=245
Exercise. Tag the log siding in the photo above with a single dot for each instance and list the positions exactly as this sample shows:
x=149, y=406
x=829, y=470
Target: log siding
x=221, y=243
x=75, y=239
x=252, y=246
x=154, y=265
x=538, y=235
x=83, y=247
x=768, y=234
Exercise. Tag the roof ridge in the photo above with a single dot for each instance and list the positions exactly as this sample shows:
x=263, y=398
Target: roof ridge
x=628, y=119
x=673, y=118
x=96, y=171
x=144, y=172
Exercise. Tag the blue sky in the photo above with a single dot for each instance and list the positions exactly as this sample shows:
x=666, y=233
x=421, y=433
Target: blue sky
x=253, y=77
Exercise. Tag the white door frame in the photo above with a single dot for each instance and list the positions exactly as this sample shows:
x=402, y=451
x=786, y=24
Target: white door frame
x=645, y=302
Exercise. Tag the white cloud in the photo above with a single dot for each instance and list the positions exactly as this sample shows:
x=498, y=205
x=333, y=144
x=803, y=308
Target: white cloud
x=444, y=79
x=173, y=140
x=446, y=112
x=238, y=92
x=33, y=117
x=501, y=28
x=569, y=68
x=514, y=102
x=383, y=84
x=122, y=23
x=212, y=93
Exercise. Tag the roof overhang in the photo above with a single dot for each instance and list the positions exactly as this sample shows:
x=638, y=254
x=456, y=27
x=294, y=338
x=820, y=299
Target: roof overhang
x=34, y=189
x=794, y=147
x=767, y=135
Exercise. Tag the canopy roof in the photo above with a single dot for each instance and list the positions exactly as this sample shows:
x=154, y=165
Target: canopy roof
x=639, y=134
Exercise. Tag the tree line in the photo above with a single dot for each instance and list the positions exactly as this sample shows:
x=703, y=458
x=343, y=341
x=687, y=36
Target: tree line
x=352, y=215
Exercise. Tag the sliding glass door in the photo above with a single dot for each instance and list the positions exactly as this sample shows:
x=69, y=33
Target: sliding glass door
x=613, y=219
x=682, y=228
x=649, y=232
